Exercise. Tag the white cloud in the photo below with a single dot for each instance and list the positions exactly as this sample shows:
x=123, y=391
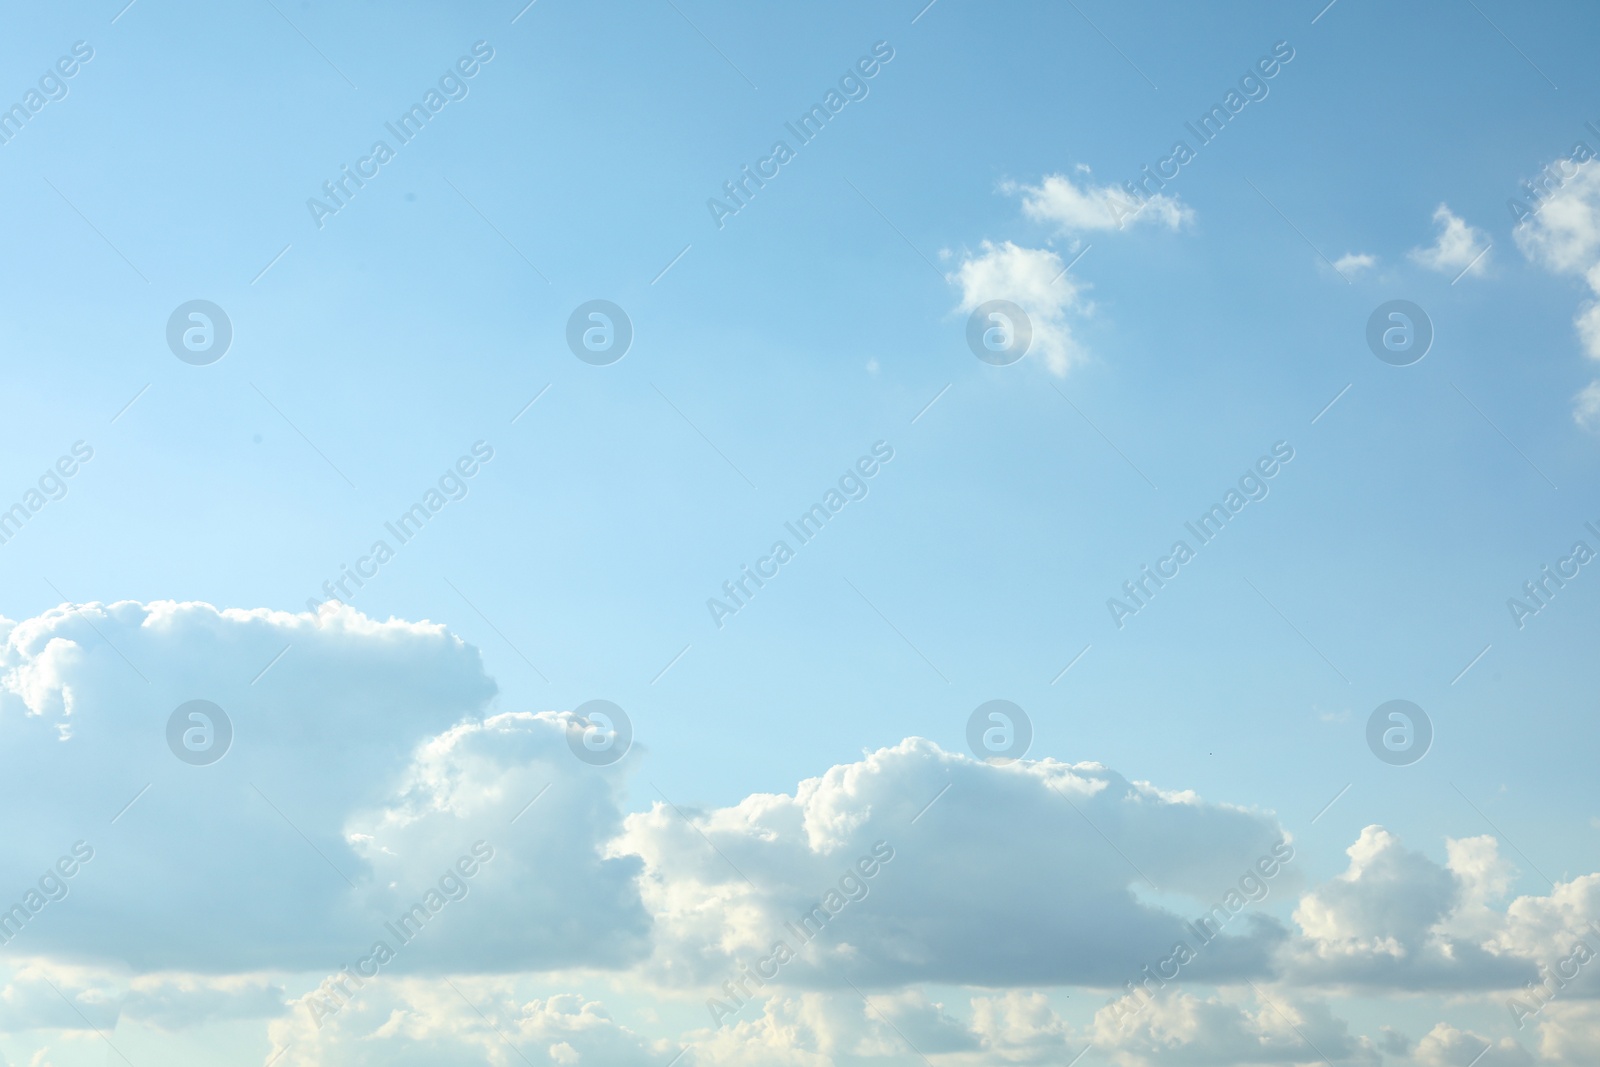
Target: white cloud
x=1388, y=921
x=381, y=744
x=1221, y=1031
x=1484, y=879
x=1564, y=237
x=805, y=1030
x=1459, y=248
x=417, y=1023
x=1076, y=208
x=1446, y=1046
x=898, y=1030
x=1388, y=895
x=1586, y=406
x=1086, y=924
x=362, y=767
x=1559, y=933
x=548, y=899
x=1031, y=278
x=1354, y=262
x=1569, y=1033
x=1396, y=920
x=1022, y=1027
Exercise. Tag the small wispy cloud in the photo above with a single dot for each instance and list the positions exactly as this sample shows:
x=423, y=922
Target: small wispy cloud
x=1459, y=248
x=1075, y=208
x=1352, y=263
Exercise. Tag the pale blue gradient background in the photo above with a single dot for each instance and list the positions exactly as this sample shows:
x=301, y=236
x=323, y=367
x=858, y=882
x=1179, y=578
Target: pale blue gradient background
x=407, y=329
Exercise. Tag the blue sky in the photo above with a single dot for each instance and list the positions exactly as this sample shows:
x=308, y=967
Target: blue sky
x=773, y=348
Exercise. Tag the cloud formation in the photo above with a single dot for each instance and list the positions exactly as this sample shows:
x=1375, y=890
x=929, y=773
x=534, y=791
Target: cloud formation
x=1564, y=238
x=1396, y=920
x=1033, y=279
x=372, y=757
x=1226, y=1030
x=417, y=1023
x=1023, y=840
x=1352, y=263
x=362, y=764
x=1457, y=250
x=1076, y=208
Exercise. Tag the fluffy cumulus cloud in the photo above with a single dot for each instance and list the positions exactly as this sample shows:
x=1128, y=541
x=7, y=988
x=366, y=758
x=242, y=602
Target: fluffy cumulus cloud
x=1395, y=919
x=547, y=898
x=1221, y=1031
x=1564, y=234
x=417, y=1023
x=912, y=903
x=1382, y=908
x=1034, y=280
x=1022, y=1027
x=1564, y=237
x=1446, y=1046
x=1457, y=249
x=1016, y=875
x=1569, y=1033
x=1078, y=207
x=363, y=765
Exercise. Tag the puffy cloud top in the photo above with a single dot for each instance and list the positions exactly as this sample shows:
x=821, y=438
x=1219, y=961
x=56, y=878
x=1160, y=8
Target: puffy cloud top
x=362, y=766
